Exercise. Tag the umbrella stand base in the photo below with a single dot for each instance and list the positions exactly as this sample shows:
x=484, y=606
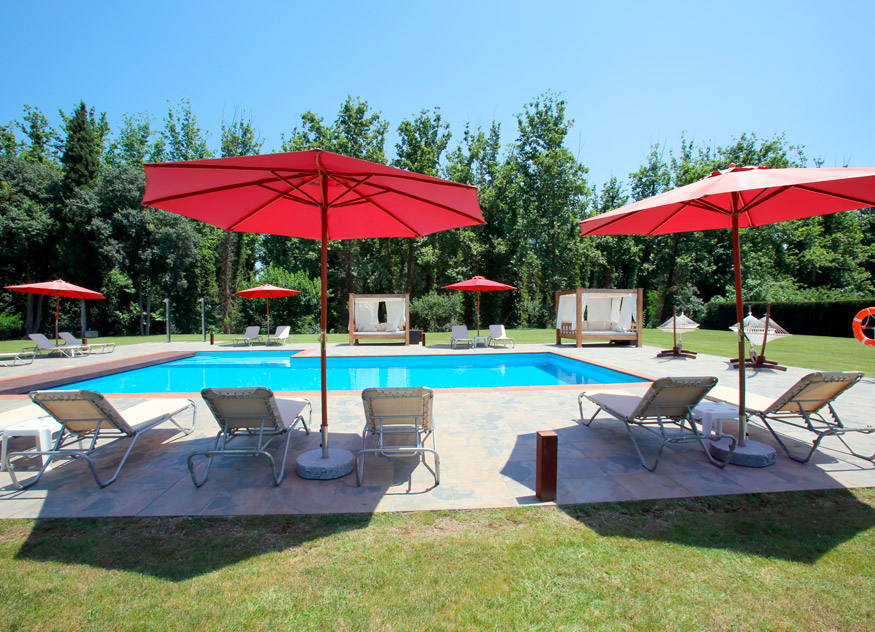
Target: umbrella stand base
x=311, y=465
x=676, y=352
x=753, y=454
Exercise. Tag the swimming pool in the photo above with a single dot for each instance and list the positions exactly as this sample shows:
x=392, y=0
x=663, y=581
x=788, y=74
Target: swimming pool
x=281, y=371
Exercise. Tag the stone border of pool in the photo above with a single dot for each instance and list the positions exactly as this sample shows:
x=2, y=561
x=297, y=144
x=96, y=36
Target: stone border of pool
x=49, y=379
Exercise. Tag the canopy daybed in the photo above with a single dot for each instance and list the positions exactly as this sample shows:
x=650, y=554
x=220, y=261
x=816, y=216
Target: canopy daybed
x=364, y=319
x=594, y=314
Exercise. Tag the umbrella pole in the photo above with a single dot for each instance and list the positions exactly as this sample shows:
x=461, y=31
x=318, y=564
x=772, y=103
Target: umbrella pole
x=478, y=315
x=57, y=313
x=324, y=320
x=739, y=310
x=267, y=300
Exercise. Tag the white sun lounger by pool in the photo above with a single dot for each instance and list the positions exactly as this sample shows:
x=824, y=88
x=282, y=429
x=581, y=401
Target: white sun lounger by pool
x=44, y=345
x=662, y=410
x=251, y=412
x=73, y=341
x=252, y=334
x=86, y=418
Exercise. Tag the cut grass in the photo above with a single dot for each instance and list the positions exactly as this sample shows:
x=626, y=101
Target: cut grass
x=794, y=561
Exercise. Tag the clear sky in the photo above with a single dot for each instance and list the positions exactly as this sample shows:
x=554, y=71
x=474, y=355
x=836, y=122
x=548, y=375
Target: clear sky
x=633, y=73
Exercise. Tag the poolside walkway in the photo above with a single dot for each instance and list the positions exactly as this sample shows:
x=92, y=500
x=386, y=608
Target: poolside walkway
x=486, y=439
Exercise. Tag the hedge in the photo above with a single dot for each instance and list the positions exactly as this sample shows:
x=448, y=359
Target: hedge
x=807, y=318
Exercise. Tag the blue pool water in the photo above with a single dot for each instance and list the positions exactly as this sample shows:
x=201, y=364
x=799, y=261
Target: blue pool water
x=281, y=371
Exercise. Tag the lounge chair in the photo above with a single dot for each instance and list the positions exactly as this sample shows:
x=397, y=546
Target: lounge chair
x=497, y=335
x=86, y=416
x=666, y=405
x=400, y=412
x=19, y=357
x=802, y=407
x=251, y=412
x=280, y=335
x=252, y=334
x=460, y=335
x=44, y=345
x=73, y=341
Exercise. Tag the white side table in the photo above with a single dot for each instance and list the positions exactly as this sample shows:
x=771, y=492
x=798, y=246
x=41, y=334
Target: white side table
x=42, y=429
x=713, y=414
x=483, y=339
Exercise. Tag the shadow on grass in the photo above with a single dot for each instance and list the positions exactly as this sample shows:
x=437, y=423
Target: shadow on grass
x=792, y=526
x=175, y=549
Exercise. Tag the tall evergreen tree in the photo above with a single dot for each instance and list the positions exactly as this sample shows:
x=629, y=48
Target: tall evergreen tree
x=81, y=159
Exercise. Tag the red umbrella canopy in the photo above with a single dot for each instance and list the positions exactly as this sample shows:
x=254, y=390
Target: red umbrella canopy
x=479, y=284
x=283, y=194
x=740, y=197
x=759, y=196
x=56, y=288
x=312, y=194
x=266, y=291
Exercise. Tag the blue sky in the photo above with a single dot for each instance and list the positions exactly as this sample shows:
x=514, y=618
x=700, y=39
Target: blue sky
x=633, y=73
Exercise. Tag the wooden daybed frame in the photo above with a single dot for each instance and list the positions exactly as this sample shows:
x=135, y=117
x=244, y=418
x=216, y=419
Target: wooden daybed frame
x=400, y=336
x=567, y=332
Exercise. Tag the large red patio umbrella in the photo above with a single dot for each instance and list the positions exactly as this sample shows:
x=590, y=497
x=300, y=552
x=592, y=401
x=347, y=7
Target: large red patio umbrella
x=267, y=292
x=315, y=195
x=56, y=288
x=741, y=197
x=479, y=284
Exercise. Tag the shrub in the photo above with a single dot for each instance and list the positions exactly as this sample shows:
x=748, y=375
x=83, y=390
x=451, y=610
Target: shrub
x=11, y=326
x=436, y=312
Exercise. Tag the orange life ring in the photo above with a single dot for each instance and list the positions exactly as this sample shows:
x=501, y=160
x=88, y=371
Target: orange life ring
x=858, y=326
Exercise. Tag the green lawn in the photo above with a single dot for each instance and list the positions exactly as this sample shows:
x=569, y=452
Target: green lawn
x=819, y=353
x=794, y=561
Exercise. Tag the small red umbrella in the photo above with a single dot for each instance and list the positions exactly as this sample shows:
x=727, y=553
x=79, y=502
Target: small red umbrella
x=740, y=197
x=479, y=284
x=267, y=292
x=312, y=194
x=57, y=288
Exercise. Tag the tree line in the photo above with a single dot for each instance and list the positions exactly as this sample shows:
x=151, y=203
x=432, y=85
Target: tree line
x=70, y=208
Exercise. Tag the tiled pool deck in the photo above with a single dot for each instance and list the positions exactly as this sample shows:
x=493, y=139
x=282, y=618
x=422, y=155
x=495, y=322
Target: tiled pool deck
x=486, y=440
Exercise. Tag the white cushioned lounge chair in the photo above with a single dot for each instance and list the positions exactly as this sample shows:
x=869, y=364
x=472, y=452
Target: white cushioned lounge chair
x=400, y=418
x=73, y=341
x=254, y=413
x=460, y=336
x=17, y=357
x=663, y=410
x=497, y=335
x=280, y=336
x=803, y=407
x=44, y=345
x=252, y=334
x=87, y=418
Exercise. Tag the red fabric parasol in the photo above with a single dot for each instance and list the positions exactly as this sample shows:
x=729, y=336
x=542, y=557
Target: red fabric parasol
x=740, y=197
x=56, y=288
x=479, y=284
x=315, y=195
x=267, y=292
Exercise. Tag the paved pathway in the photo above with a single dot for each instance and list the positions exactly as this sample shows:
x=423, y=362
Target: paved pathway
x=486, y=440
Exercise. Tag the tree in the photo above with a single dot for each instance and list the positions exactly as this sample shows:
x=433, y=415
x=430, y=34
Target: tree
x=81, y=159
x=134, y=142
x=236, y=256
x=43, y=141
x=546, y=194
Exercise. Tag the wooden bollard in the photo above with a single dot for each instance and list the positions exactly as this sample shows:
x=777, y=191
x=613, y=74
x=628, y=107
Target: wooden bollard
x=547, y=458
